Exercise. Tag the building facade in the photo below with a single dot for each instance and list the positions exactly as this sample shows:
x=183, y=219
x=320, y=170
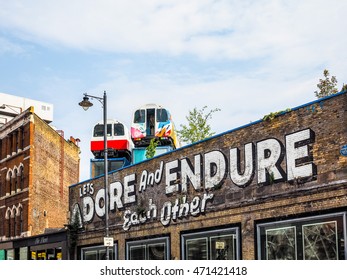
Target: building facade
x=272, y=189
x=12, y=105
x=36, y=167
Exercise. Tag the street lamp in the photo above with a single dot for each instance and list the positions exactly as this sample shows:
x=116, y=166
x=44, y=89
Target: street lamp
x=86, y=104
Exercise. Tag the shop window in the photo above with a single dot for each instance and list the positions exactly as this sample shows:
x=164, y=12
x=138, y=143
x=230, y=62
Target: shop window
x=10, y=254
x=314, y=238
x=148, y=249
x=220, y=244
x=2, y=254
x=98, y=253
x=44, y=254
x=23, y=253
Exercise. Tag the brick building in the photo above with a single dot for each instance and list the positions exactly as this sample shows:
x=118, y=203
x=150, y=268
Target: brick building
x=36, y=167
x=272, y=189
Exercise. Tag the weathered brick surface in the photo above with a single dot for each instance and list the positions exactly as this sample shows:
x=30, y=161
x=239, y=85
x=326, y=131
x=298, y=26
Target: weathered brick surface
x=55, y=166
x=232, y=205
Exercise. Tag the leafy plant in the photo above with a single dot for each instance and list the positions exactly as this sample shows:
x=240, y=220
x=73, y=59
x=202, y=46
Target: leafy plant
x=270, y=117
x=151, y=148
x=197, y=128
x=326, y=86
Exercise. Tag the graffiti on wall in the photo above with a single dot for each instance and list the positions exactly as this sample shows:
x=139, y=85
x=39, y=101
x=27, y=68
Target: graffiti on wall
x=203, y=174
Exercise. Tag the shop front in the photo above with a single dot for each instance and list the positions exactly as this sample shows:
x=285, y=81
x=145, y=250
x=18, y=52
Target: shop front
x=49, y=246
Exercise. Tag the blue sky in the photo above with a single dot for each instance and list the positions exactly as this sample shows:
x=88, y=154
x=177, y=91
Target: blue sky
x=247, y=58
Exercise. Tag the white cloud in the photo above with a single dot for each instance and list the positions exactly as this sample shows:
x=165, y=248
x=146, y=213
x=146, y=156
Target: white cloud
x=229, y=29
x=272, y=54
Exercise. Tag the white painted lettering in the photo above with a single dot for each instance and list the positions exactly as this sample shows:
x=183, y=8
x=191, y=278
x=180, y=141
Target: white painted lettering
x=194, y=206
x=143, y=181
x=239, y=178
x=299, y=165
x=165, y=213
x=100, y=196
x=191, y=174
x=129, y=189
x=269, y=153
x=116, y=192
x=88, y=209
x=171, y=177
x=215, y=169
x=159, y=173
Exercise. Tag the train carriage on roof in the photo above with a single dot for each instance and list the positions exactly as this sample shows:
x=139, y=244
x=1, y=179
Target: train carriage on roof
x=153, y=121
x=119, y=143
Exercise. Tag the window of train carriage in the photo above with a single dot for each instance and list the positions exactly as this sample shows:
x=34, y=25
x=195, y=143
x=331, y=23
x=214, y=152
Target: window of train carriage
x=219, y=244
x=148, y=249
x=118, y=129
x=162, y=115
x=139, y=116
x=99, y=130
x=312, y=238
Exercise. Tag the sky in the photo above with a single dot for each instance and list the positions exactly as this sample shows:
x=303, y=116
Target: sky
x=247, y=58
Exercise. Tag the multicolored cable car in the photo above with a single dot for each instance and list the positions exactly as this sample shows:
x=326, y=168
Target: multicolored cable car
x=153, y=121
x=119, y=143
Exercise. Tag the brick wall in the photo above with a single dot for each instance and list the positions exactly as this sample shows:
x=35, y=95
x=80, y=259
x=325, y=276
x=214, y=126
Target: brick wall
x=14, y=177
x=297, y=170
x=54, y=167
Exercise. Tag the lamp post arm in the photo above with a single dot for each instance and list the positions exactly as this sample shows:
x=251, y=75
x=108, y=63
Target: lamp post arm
x=102, y=100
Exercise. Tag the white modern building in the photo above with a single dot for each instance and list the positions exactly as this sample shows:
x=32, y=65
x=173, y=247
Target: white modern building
x=11, y=106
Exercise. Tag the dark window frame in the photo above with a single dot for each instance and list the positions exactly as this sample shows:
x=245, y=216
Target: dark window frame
x=100, y=251
x=208, y=234
x=264, y=251
x=145, y=243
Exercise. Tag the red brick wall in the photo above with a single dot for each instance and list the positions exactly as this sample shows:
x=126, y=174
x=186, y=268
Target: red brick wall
x=54, y=166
